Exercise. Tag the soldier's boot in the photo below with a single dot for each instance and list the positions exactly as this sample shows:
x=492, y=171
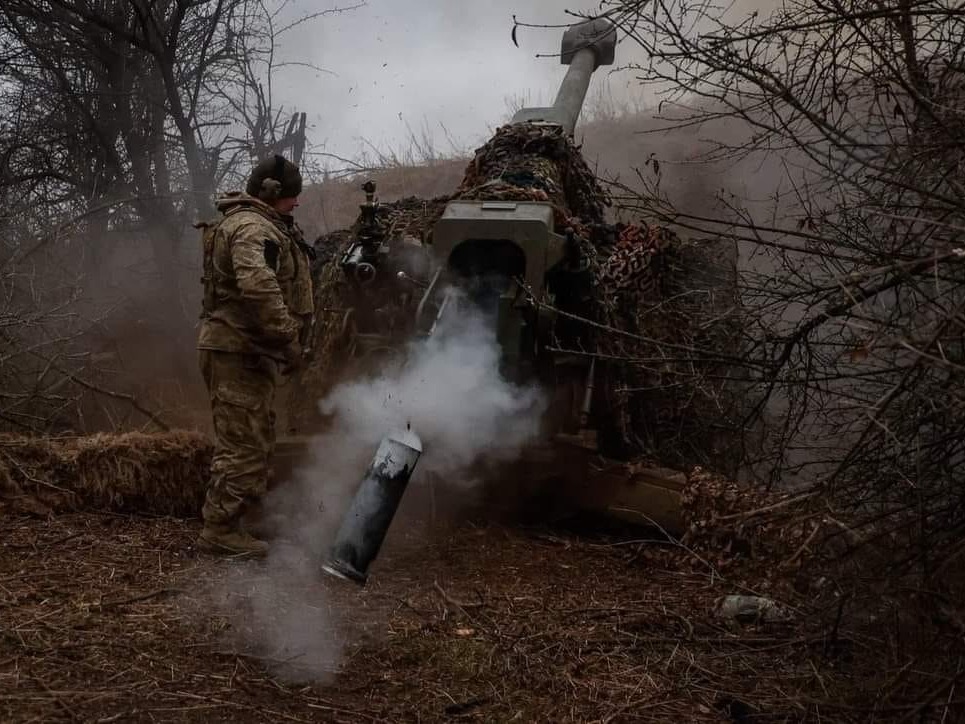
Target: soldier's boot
x=256, y=521
x=229, y=540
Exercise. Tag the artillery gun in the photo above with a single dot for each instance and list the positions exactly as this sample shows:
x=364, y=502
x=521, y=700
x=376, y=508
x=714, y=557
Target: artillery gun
x=506, y=258
x=514, y=244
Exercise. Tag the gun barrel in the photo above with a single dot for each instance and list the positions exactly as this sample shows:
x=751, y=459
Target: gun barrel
x=572, y=92
x=586, y=46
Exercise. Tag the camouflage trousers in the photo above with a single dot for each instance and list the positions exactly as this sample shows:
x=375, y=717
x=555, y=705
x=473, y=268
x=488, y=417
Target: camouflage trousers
x=242, y=390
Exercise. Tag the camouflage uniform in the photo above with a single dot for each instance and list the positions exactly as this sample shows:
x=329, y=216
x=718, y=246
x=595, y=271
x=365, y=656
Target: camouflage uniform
x=257, y=319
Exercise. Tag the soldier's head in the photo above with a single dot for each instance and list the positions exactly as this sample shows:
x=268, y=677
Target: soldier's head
x=277, y=182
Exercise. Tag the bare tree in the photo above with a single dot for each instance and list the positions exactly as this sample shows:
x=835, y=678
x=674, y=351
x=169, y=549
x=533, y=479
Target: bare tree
x=853, y=280
x=121, y=118
x=852, y=284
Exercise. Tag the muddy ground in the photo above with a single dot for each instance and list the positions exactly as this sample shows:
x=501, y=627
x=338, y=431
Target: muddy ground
x=105, y=618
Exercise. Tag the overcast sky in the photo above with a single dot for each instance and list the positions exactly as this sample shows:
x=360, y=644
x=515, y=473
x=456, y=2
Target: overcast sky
x=446, y=65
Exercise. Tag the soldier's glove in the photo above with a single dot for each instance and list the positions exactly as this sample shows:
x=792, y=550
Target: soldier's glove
x=294, y=358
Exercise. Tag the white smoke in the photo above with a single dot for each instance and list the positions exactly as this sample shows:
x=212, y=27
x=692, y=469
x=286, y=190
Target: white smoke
x=451, y=393
x=282, y=613
x=448, y=389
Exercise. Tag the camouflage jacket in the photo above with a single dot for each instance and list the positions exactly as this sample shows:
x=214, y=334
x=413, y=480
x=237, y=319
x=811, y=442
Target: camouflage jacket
x=258, y=295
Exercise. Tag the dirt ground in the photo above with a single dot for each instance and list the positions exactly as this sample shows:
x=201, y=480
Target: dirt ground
x=109, y=618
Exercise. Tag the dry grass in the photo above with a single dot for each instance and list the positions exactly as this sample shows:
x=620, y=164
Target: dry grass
x=109, y=618
x=164, y=474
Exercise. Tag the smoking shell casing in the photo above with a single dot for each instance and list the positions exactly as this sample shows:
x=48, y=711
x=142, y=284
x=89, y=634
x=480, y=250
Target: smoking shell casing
x=368, y=518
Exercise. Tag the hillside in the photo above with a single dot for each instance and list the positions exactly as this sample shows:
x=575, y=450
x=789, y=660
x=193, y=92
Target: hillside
x=618, y=148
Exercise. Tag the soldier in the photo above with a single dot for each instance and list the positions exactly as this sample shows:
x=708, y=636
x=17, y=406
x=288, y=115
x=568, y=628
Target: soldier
x=256, y=327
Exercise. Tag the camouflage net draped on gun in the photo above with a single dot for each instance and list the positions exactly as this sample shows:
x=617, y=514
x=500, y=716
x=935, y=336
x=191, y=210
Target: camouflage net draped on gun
x=335, y=353
x=536, y=163
x=673, y=389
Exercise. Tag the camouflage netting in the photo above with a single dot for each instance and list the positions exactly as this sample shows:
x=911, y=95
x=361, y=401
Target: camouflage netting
x=669, y=395
x=409, y=217
x=536, y=163
x=164, y=474
x=674, y=389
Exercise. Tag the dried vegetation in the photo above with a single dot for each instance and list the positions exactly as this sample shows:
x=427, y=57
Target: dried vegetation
x=105, y=619
x=110, y=617
x=163, y=474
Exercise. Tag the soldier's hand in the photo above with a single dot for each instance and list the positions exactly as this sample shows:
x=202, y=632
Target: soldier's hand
x=294, y=358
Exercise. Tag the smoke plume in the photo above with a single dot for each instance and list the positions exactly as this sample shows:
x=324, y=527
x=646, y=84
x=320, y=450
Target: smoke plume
x=451, y=393
x=449, y=390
